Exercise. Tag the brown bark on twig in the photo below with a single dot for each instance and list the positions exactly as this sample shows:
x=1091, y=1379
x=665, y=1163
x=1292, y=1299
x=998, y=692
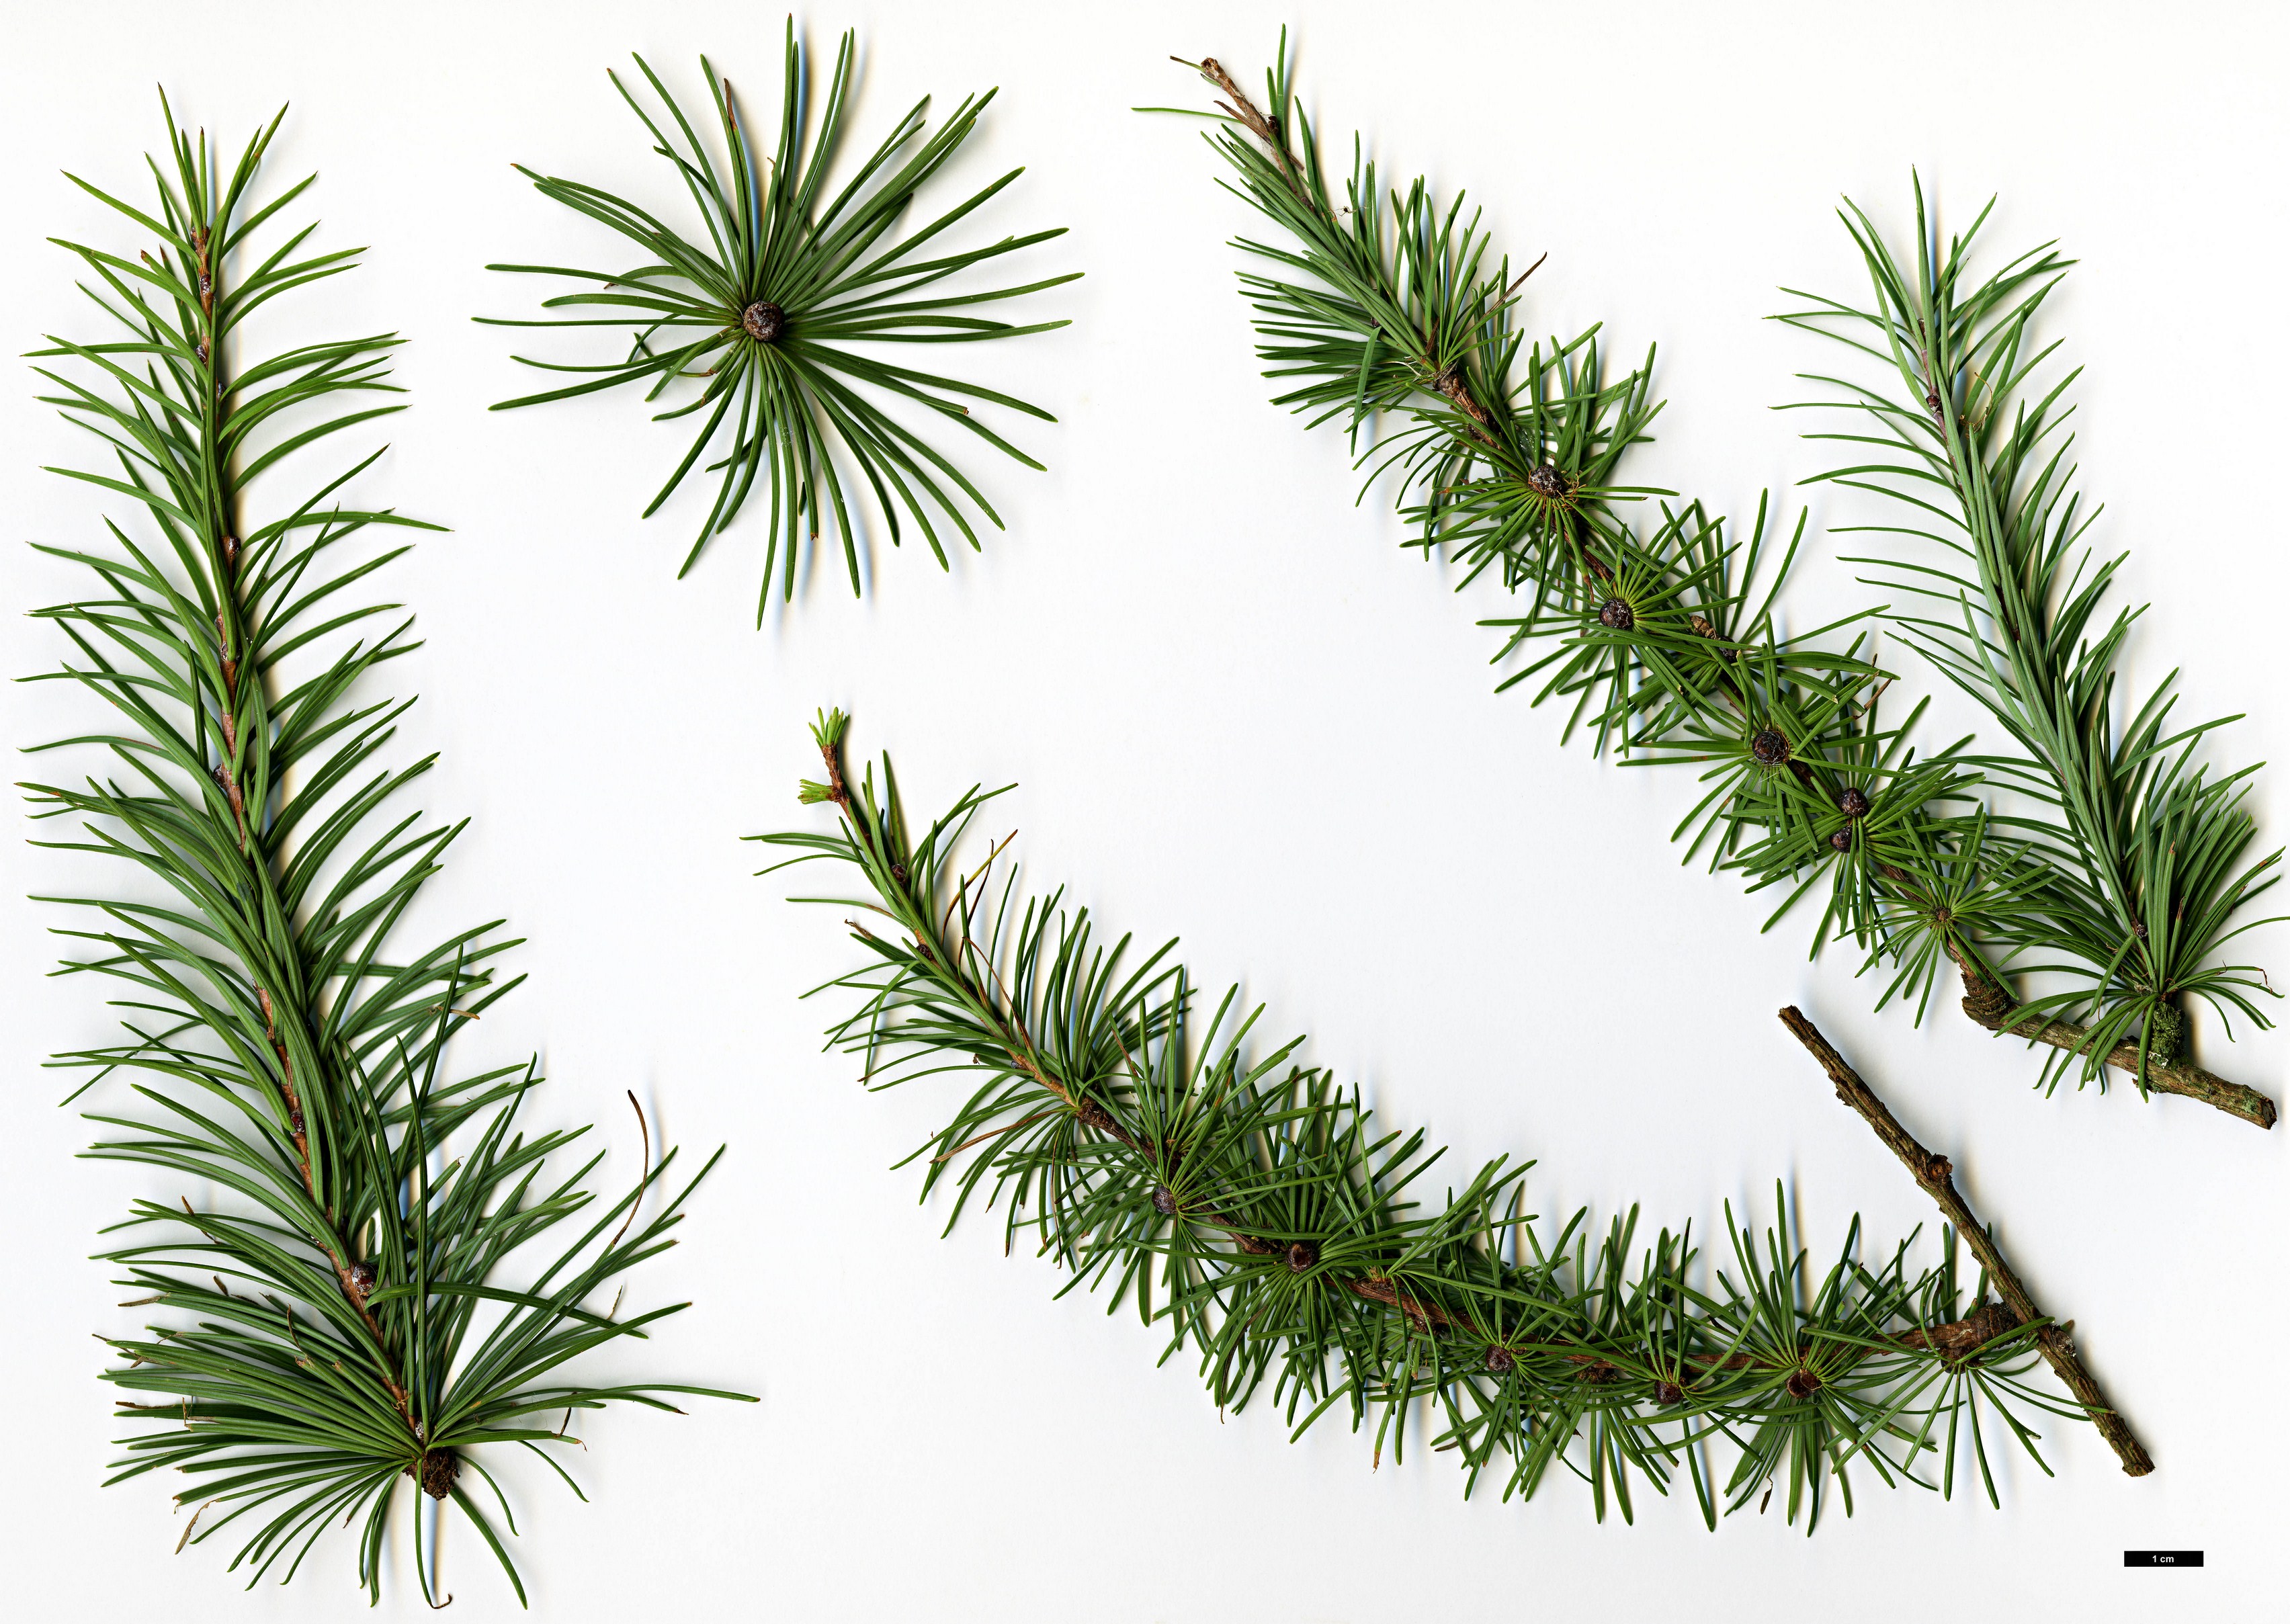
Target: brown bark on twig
x=1258, y=124
x=229, y=649
x=1934, y=1174
x=1988, y=1003
x=1448, y=380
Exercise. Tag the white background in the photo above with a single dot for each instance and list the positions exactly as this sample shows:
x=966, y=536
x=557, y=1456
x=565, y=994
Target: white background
x=1236, y=710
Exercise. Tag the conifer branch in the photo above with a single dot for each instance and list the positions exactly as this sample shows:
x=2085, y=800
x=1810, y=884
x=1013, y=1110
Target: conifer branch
x=1936, y=1176
x=288, y=1045
x=1385, y=314
x=1244, y=1201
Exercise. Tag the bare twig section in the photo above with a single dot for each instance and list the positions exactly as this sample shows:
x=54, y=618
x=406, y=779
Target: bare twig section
x=1934, y=1174
x=1452, y=383
x=1427, y=1316
x=1988, y=1003
x=1265, y=127
x=838, y=791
